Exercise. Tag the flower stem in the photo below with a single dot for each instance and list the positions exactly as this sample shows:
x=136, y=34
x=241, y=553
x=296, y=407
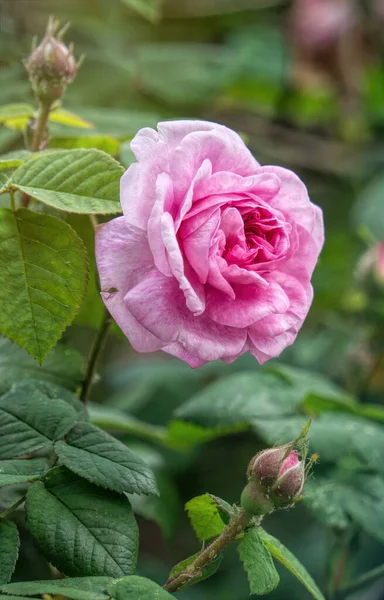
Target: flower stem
x=12, y=508
x=94, y=356
x=38, y=137
x=231, y=531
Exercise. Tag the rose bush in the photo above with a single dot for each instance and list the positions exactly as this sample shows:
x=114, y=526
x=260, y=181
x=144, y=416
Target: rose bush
x=214, y=254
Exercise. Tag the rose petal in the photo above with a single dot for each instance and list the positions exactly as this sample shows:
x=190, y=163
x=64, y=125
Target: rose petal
x=178, y=350
x=197, y=246
x=164, y=199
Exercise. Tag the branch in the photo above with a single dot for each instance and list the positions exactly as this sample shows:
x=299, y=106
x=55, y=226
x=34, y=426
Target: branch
x=94, y=356
x=38, y=137
x=231, y=531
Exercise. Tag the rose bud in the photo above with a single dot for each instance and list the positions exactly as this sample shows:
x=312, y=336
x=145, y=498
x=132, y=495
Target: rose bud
x=290, y=481
x=266, y=465
x=51, y=66
x=255, y=500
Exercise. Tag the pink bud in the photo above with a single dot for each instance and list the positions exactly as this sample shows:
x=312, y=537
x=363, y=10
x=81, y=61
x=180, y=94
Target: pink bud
x=265, y=466
x=290, y=482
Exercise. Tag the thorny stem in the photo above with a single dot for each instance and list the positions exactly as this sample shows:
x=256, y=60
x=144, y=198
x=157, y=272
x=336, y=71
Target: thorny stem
x=12, y=508
x=38, y=137
x=231, y=531
x=94, y=355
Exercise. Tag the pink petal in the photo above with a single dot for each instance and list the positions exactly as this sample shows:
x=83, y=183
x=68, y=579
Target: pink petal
x=197, y=246
x=178, y=350
x=164, y=198
x=157, y=303
x=123, y=258
x=264, y=185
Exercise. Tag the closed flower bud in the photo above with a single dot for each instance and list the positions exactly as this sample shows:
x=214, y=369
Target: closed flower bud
x=51, y=66
x=290, y=481
x=265, y=466
x=255, y=500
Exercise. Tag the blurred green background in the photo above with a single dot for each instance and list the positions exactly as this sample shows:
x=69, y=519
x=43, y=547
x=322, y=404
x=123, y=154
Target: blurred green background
x=306, y=91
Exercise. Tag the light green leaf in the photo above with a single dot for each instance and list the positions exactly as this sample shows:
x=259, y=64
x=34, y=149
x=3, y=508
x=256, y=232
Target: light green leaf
x=137, y=588
x=19, y=471
x=105, y=143
x=83, y=529
x=183, y=435
x=63, y=366
x=12, y=111
x=149, y=9
x=65, y=117
x=103, y=460
x=79, y=181
x=240, y=398
x=80, y=588
x=11, y=160
x=43, y=277
x=206, y=571
x=30, y=420
x=205, y=517
x=9, y=549
x=258, y=563
x=290, y=562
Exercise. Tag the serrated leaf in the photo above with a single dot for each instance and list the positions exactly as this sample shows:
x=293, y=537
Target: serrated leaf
x=11, y=160
x=43, y=277
x=78, y=181
x=137, y=588
x=205, y=517
x=63, y=366
x=290, y=562
x=30, y=420
x=12, y=111
x=19, y=471
x=9, y=549
x=80, y=588
x=83, y=529
x=103, y=460
x=56, y=394
x=258, y=563
x=149, y=9
x=226, y=511
x=206, y=571
x=240, y=398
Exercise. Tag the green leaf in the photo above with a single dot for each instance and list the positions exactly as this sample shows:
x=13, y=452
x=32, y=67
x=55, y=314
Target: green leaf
x=206, y=571
x=56, y=393
x=184, y=435
x=105, y=143
x=258, y=563
x=83, y=530
x=30, y=420
x=65, y=117
x=333, y=435
x=19, y=471
x=43, y=277
x=63, y=366
x=80, y=588
x=205, y=517
x=78, y=181
x=9, y=549
x=325, y=500
x=103, y=460
x=11, y=160
x=137, y=588
x=226, y=511
x=290, y=562
x=12, y=111
x=149, y=9
x=240, y=398
x=369, y=212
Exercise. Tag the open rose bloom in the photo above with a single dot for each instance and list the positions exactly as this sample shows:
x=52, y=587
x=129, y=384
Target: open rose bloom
x=214, y=254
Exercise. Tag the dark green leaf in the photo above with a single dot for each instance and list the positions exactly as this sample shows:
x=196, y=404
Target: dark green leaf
x=290, y=562
x=258, y=563
x=19, y=471
x=83, y=530
x=30, y=420
x=9, y=549
x=206, y=571
x=325, y=500
x=226, y=511
x=137, y=588
x=205, y=517
x=80, y=588
x=63, y=366
x=43, y=277
x=103, y=460
x=79, y=181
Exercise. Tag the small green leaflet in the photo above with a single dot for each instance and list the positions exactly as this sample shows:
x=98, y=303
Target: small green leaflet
x=9, y=549
x=30, y=420
x=205, y=517
x=103, y=460
x=78, y=181
x=43, y=278
x=19, y=471
x=258, y=563
x=290, y=562
x=137, y=588
x=14, y=111
x=83, y=529
x=11, y=160
x=206, y=572
x=149, y=9
x=80, y=588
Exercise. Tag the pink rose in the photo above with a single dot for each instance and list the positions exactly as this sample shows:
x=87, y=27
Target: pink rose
x=214, y=254
x=319, y=23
